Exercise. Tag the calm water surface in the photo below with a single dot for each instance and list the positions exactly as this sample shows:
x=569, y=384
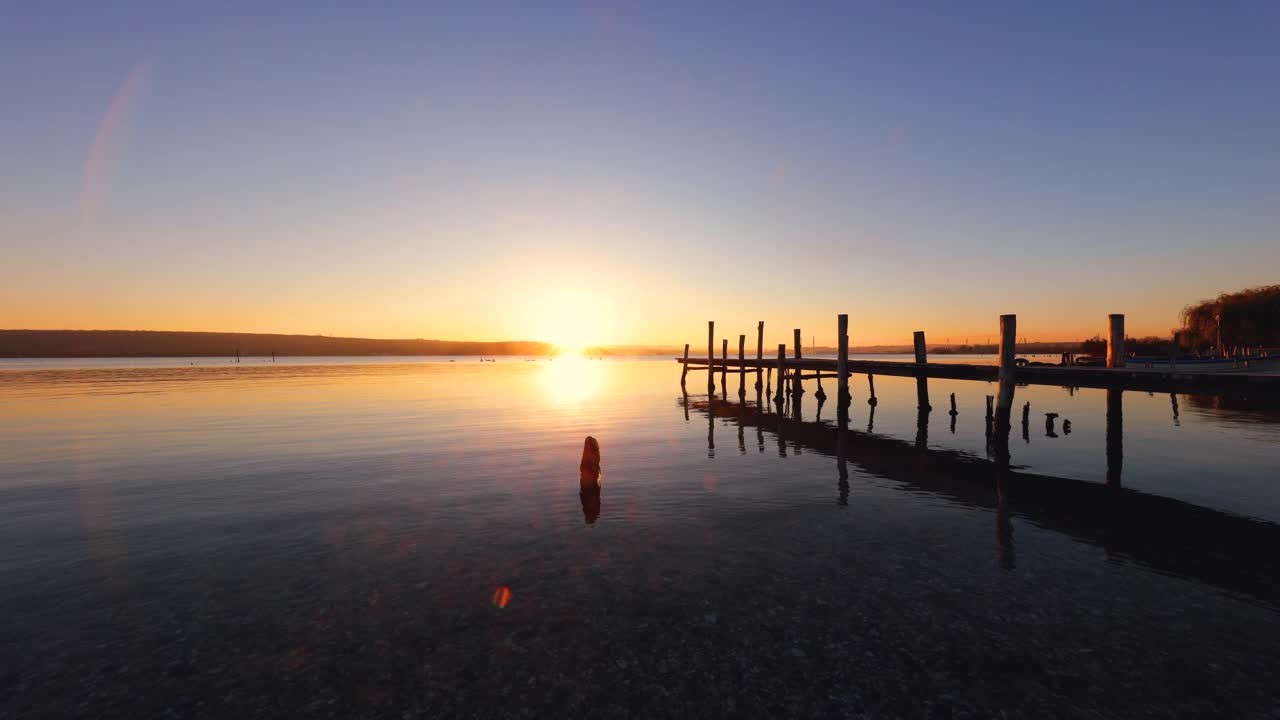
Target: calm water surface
x=326, y=538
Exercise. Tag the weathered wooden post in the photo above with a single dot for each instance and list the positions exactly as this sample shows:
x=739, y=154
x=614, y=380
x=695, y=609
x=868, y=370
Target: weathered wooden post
x=796, y=387
x=782, y=359
x=759, y=352
x=1115, y=343
x=842, y=360
x=742, y=366
x=685, y=371
x=871, y=385
x=711, y=356
x=724, y=362
x=1008, y=358
x=954, y=412
x=922, y=381
x=1173, y=351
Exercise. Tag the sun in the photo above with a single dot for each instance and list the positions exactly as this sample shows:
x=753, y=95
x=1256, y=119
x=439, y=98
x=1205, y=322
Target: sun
x=571, y=320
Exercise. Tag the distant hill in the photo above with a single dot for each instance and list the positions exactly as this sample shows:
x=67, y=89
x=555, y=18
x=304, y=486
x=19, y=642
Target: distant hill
x=146, y=343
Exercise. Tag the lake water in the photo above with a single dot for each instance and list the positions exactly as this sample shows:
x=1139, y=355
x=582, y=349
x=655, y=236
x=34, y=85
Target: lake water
x=411, y=537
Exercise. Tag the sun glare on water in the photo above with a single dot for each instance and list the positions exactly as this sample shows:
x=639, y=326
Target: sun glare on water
x=571, y=379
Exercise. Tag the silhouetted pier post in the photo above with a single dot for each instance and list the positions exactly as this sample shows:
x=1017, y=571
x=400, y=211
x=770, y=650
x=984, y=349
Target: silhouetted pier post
x=1026, y=422
x=711, y=357
x=1008, y=359
x=724, y=365
x=922, y=382
x=1173, y=350
x=759, y=352
x=1115, y=435
x=782, y=359
x=685, y=372
x=842, y=360
x=991, y=403
x=742, y=366
x=871, y=384
x=1115, y=343
x=954, y=412
x=797, y=388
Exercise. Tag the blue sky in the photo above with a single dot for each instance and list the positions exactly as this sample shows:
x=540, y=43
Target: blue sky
x=482, y=170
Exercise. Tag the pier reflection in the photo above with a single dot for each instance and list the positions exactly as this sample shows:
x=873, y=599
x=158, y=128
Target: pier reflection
x=1169, y=535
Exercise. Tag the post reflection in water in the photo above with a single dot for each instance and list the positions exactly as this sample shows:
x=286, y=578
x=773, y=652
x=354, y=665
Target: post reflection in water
x=999, y=449
x=1173, y=399
x=842, y=450
x=1115, y=436
x=922, y=428
x=742, y=412
x=590, y=478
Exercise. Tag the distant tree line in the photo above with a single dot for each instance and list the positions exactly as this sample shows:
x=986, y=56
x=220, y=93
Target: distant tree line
x=1247, y=317
x=142, y=343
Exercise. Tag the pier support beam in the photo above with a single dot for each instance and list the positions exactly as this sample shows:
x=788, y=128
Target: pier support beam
x=796, y=387
x=759, y=352
x=724, y=364
x=1008, y=356
x=842, y=361
x=685, y=371
x=742, y=366
x=782, y=359
x=1115, y=342
x=922, y=382
x=711, y=356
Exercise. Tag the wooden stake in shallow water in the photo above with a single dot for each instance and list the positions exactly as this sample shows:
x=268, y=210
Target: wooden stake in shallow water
x=871, y=383
x=685, y=371
x=742, y=366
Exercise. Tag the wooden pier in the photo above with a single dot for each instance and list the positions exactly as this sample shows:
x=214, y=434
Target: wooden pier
x=1169, y=377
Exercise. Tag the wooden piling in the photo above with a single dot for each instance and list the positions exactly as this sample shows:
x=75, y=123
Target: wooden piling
x=1173, y=350
x=871, y=384
x=954, y=412
x=1115, y=344
x=685, y=372
x=742, y=366
x=842, y=359
x=782, y=359
x=922, y=382
x=796, y=387
x=724, y=359
x=711, y=356
x=759, y=350
x=1008, y=358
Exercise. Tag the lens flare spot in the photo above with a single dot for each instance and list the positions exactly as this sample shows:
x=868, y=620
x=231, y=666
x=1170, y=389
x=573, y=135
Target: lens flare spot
x=501, y=597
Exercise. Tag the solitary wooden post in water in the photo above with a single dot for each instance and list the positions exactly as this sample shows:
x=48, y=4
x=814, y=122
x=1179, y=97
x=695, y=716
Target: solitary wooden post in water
x=1008, y=353
x=842, y=359
x=685, y=371
x=742, y=365
x=918, y=338
x=711, y=355
x=1115, y=344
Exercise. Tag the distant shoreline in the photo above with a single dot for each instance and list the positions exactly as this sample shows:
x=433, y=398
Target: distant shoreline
x=162, y=343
